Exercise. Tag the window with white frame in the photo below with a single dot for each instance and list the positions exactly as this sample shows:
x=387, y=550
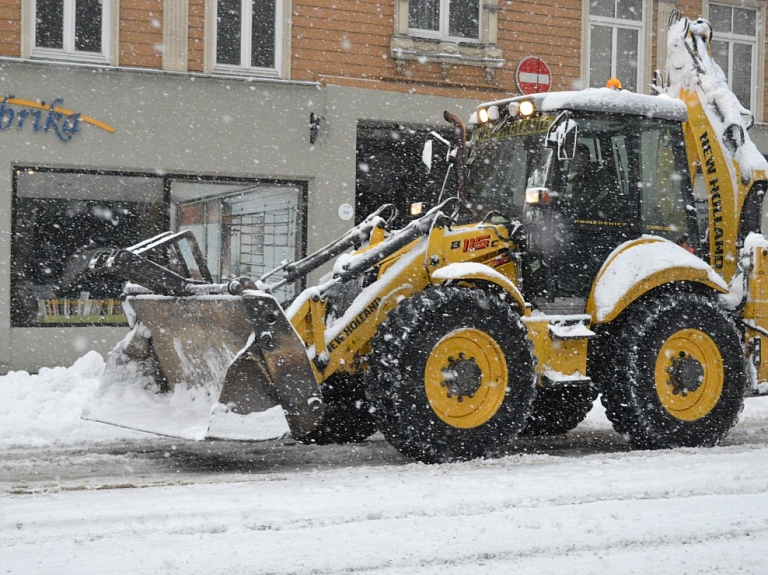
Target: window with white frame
x=456, y=19
x=447, y=32
x=70, y=29
x=734, y=48
x=616, y=35
x=248, y=36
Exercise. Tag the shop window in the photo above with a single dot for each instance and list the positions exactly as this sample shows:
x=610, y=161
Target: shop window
x=248, y=36
x=60, y=221
x=70, y=29
x=243, y=228
x=735, y=48
x=448, y=32
x=616, y=36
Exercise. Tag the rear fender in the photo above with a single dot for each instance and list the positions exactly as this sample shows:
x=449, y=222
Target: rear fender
x=638, y=266
x=476, y=272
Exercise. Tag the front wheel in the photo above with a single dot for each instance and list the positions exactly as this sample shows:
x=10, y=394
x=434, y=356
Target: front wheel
x=347, y=417
x=679, y=375
x=451, y=375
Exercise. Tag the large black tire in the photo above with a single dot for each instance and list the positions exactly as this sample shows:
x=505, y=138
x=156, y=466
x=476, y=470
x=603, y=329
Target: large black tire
x=679, y=375
x=347, y=417
x=557, y=411
x=452, y=375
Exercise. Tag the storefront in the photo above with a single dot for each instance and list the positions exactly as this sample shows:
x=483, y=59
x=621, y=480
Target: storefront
x=95, y=158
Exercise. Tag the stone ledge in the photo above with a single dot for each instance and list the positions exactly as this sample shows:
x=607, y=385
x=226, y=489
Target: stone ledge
x=446, y=54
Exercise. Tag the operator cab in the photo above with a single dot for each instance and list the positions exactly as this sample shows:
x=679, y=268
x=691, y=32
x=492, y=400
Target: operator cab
x=583, y=180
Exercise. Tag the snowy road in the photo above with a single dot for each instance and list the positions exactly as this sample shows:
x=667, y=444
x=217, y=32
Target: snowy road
x=79, y=497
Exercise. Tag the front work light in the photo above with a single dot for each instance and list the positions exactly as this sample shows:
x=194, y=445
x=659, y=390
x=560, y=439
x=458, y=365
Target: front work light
x=538, y=196
x=489, y=113
x=526, y=108
x=417, y=208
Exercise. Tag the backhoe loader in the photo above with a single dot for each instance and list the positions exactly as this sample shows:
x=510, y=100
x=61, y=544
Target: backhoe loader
x=598, y=242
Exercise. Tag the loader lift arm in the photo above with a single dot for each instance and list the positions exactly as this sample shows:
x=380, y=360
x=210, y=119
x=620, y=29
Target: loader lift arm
x=136, y=264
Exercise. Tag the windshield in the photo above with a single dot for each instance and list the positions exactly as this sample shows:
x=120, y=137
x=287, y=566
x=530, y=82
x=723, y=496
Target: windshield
x=507, y=159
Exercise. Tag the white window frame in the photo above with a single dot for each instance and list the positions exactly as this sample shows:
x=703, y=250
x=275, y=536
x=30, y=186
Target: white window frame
x=109, y=35
x=417, y=47
x=281, y=68
x=758, y=53
x=643, y=48
x=442, y=33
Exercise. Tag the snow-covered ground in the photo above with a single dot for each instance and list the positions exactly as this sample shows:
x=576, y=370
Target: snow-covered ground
x=81, y=497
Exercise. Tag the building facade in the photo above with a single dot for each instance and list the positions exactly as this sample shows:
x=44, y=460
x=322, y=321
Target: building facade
x=267, y=127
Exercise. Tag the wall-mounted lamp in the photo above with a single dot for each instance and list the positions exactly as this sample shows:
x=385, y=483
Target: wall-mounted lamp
x=314, y=126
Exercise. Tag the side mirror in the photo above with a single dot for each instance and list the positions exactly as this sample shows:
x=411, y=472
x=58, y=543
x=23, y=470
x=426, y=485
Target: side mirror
x=426, y=152
x=426, y=155
x=563, y=135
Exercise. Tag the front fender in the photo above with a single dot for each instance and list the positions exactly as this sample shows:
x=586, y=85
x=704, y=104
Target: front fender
x=469, y=271
x=638, y=266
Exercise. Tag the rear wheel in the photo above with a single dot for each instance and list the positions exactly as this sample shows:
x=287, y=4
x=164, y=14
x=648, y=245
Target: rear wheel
x=347, y=417
x=557, y=411
x=451, y=375
x=679, y=376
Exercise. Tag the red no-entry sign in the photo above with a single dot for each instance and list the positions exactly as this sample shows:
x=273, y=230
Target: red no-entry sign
x=533, y=76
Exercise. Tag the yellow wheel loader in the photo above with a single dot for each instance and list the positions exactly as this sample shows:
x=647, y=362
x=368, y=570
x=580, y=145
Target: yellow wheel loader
x=598, y=241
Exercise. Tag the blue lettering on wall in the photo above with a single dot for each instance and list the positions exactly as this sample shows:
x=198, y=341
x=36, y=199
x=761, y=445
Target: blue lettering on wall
x=63, y=123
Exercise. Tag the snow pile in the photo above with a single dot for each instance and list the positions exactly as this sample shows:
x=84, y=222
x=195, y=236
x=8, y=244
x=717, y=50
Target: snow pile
x=44, y=409
x=129, y=395
x=691, y=68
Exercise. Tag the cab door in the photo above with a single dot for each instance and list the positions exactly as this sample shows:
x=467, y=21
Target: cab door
x=596, y=206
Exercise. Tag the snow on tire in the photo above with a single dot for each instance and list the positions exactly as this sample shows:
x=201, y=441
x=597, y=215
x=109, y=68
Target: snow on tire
x=451, y=375
x=679, y=376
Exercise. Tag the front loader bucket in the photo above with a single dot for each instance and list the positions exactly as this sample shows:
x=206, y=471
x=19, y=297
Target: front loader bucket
x=220, y=366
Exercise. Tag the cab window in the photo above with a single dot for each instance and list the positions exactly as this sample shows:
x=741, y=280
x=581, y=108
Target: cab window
x=665, y=189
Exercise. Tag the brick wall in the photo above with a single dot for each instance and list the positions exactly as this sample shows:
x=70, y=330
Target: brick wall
x=10, y=28
x=196, y=38
x=549, y=29
x=346, y=40
x=343, y=38
x=141, y=33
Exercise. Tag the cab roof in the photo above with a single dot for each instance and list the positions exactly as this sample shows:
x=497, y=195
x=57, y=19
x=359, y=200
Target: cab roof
x=603, y=100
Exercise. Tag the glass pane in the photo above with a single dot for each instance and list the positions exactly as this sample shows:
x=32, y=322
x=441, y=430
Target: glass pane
x=744, y=21
x=424, y=14
x=88, y=15
x=464, y=16
x=228, y=31
x=626, y=57
x=599, y=55
x=663, y=198
x=741, y=83
x=629, y=9
x=62, y=220
x=720, y=55
x=263, y=232
x=263, y=34
x=605, y=8
x=720, y=18
x=49, y=24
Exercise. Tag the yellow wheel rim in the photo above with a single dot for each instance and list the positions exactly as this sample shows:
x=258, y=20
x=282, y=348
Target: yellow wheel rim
x=689, y=374
x=466, y=378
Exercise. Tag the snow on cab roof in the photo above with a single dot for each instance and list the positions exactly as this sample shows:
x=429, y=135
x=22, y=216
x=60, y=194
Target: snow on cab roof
x=603, y=100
